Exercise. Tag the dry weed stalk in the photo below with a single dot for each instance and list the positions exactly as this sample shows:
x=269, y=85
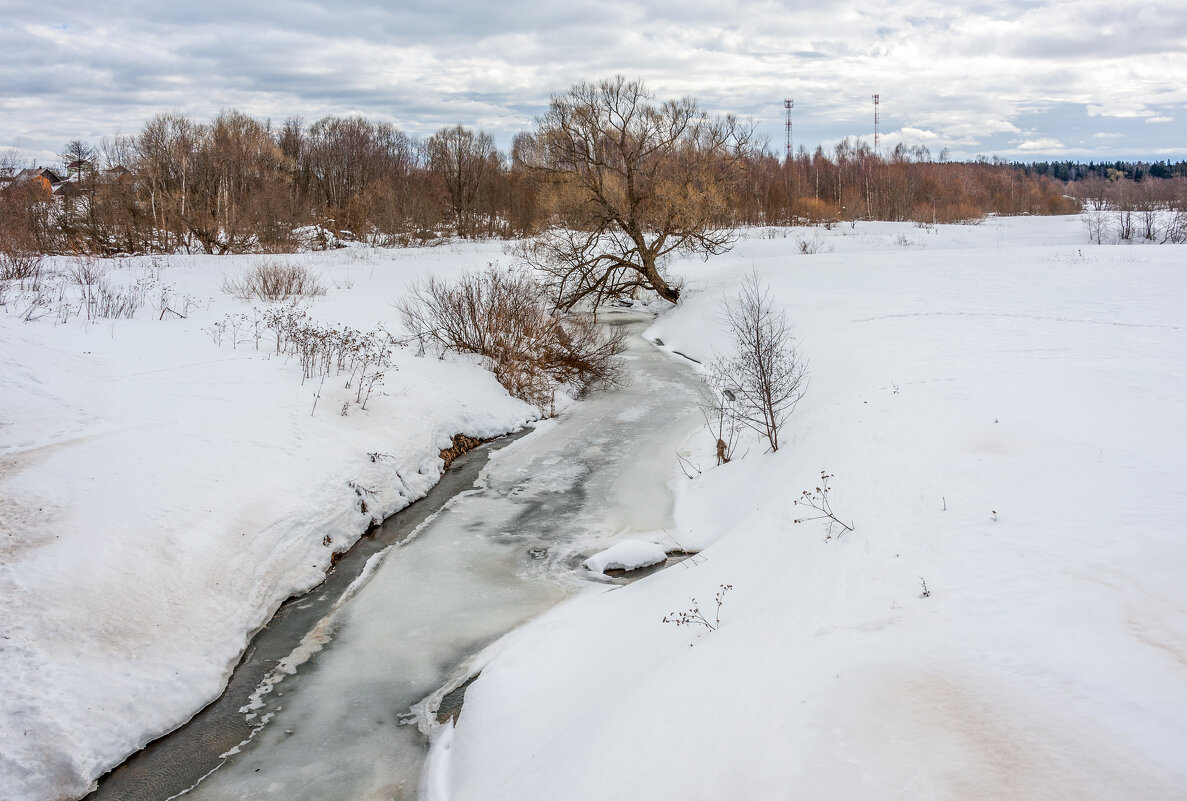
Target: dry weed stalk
x=693, y=615
x=818, y=499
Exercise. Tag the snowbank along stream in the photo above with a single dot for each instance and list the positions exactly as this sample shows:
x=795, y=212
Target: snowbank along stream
x=332, y=719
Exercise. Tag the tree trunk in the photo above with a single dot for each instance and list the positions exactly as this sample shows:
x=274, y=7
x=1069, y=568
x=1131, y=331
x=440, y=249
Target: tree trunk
x=669, y=293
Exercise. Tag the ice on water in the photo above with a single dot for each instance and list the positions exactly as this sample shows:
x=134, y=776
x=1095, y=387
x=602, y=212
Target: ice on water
x=469, y=577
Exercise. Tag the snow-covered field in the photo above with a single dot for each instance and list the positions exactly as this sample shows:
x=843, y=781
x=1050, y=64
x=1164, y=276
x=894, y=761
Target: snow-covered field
x=1004, y=410
x=160, y=495
x=1002, y=406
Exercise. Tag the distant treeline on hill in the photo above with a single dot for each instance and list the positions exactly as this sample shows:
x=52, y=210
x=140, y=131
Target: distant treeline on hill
x=1131, y=170
x=239, y=184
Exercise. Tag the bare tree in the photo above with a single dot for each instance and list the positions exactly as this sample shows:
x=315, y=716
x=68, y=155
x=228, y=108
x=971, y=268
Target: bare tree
x=350, y=165
x=77, y=157
x=116, y=151
x=166, y=150
x=765, y=377
x=11, y=160
x=465, y=161
x=632, y=183
x=1097, y=225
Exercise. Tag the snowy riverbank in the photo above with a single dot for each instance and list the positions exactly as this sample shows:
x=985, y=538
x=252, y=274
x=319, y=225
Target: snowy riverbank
x=160, y=495
x=1002, y=406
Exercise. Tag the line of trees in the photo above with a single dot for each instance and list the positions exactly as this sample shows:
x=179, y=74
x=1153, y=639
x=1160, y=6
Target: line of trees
x=1123, y=210
x=238, y=184
x=1133, y=170
x=854, y=182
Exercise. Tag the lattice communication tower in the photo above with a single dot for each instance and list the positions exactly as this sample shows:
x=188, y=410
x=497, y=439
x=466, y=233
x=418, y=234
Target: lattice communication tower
x=788, y=104
x=875, y=123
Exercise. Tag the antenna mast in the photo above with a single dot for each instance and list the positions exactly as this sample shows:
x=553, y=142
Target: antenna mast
x=875, y=123
x=788, y=104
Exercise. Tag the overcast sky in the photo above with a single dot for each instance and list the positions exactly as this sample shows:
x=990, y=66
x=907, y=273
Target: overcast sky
x=1022, y=79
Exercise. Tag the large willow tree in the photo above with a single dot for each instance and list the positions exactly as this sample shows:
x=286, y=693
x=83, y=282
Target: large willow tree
x=631, y=182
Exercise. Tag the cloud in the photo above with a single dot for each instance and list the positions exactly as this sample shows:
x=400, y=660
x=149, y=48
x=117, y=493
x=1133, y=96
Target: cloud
x=911, y=137
x=1107, y=136
x=919, y=134
x=1045, y=145
x=1119, y=108
x=1160, y=119
x=963, y=73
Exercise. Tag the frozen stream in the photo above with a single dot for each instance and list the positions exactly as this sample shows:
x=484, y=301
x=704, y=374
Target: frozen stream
x=497, y=555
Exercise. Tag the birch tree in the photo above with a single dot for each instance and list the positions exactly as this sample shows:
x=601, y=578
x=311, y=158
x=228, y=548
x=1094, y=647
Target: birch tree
x=765, y=377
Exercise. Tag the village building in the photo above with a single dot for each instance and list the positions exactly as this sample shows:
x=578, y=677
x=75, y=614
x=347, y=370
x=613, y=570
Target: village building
x=41, y=177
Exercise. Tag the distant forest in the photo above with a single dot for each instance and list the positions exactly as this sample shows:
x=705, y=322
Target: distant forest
x=239, y=184
x=1131, y=170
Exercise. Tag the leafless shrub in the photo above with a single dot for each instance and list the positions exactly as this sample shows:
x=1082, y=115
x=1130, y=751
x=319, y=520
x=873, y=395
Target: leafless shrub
x=33, y=279
x=1120, y=224
x=1124, y=223
x=764, y=378
x=106, y=302
x=100, y=299
x=1096, y=224
x=36, y=306
x=502, y=317
x=812, y=246
x=85, y=271
x=274, y=281
x=19, y=263
x=1175, y=229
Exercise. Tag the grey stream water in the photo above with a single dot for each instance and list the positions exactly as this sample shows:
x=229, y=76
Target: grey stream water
x=330, y=722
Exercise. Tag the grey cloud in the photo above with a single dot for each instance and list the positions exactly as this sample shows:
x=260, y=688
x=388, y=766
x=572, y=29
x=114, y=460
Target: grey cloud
x=942, y=67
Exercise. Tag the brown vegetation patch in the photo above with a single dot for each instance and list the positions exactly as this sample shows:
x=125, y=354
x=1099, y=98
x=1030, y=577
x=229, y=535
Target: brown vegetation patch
x=461, y=444
x=502, y=316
